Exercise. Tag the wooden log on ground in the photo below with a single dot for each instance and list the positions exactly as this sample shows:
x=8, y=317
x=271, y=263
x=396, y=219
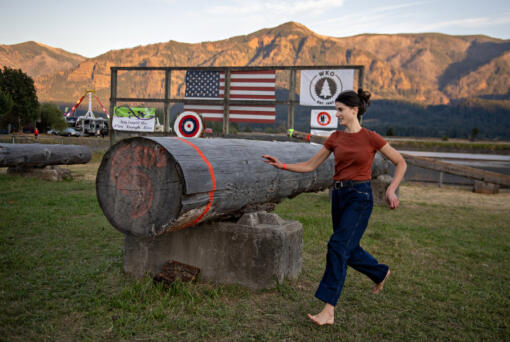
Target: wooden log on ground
x=433, y=164
x=40, y=155
x=149, y=186
x=485, y=188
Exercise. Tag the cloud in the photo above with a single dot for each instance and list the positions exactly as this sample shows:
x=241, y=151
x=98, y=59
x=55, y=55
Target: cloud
x=468, y=23
x=371, y=16
x=274, y=8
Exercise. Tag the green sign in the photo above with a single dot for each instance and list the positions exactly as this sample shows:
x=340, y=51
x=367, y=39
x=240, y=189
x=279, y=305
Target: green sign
x=140, y=113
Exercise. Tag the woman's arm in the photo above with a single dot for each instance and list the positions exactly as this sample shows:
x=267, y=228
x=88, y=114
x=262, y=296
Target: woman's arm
x=307, y=166
x=400, y=168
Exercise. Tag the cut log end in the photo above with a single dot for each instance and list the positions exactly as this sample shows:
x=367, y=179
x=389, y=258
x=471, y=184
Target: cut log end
x=139, y=187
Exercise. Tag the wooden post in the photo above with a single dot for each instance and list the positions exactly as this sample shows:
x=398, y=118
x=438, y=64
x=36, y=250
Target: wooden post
x=441, y=179
x=361, y=76
x=292, y=87
x=166, y=110
x=226, y=108
x=113, y=102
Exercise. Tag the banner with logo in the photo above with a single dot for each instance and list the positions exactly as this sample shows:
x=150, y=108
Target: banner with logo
x=321, y=87
x=140, y=119
x=323, y=118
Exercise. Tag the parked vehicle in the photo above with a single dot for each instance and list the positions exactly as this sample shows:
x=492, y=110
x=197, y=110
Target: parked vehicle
x=70, y=132
x=53, y=132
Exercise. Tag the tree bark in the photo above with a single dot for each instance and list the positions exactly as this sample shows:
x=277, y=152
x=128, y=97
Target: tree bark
x=149, y=186
x=40, y=155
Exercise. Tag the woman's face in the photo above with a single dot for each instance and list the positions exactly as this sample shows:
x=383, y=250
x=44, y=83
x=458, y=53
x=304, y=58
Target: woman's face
x=346, y=114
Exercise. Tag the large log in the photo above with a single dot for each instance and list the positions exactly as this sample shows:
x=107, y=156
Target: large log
x=149, y=186
x=40, y=155
x=432, y=164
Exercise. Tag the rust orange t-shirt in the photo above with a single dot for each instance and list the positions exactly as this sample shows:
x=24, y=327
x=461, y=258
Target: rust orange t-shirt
x=354, y=153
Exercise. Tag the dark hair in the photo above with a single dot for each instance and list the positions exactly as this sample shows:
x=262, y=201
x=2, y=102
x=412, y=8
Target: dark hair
x=350, y=98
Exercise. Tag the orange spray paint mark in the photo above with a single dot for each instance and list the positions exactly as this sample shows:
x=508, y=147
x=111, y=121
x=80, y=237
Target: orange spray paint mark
x=213, y=180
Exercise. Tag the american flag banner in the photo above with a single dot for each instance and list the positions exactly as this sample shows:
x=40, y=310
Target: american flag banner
x=256, y=85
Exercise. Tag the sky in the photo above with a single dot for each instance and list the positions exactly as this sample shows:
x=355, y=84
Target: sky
x=93, y=27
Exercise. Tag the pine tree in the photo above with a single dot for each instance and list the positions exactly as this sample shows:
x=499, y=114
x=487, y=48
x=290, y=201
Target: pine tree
x=325, y=91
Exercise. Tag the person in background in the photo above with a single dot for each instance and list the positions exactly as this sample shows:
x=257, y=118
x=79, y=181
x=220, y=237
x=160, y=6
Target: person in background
x=36, y=132
x=354, y=149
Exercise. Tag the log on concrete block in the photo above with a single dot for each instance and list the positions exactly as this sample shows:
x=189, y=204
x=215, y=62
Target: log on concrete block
x=50, y=172
x=149, y=186
x=485, y=188
x=39, y=155
x=173, y=270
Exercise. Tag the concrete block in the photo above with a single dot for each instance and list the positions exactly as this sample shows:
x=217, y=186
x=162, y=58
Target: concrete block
x=379, y=186
x=254, y=252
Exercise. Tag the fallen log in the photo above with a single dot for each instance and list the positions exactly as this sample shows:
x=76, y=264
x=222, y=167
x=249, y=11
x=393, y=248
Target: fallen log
x=432, y=164
x=40, y=155
x=147, y=186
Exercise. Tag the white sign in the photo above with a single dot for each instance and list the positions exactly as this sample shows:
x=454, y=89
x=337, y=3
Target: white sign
x=321, y=133
x=321, y=87
x=322, y=118
x=133, y=124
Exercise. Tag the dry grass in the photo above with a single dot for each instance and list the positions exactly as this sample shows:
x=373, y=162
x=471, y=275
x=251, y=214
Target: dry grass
x=453, y=196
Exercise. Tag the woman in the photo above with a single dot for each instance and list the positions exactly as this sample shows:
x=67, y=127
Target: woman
x=352, y=202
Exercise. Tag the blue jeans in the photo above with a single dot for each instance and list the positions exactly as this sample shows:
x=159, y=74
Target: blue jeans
x=350, y=209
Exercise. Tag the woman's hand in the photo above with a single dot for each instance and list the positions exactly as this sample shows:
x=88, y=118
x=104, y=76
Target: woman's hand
x=392, y=199
x=272, y=161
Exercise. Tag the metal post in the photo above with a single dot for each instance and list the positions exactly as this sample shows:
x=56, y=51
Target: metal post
x=226, y=108
x=166, y=110
x=441, y=179
x=113, y=102
x=292, y=91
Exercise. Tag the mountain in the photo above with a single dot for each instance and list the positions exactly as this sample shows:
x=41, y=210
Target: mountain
x=37, y=59
x=428, y=68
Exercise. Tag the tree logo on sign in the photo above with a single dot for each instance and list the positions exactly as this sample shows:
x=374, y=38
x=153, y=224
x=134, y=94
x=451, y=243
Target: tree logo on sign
x=325, y=87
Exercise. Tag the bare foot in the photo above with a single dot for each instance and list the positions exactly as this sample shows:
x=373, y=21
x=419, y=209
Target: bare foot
x=326, y=316
x=379, y=287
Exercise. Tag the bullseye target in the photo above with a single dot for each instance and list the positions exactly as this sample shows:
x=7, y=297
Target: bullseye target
x=188, y=125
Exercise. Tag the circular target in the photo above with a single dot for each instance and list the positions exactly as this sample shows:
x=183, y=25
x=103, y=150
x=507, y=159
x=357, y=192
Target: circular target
x=188, y=125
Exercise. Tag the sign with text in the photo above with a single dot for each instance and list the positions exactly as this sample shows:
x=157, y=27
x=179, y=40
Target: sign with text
x=140, y=119
x=323, y=118
x=321, y=87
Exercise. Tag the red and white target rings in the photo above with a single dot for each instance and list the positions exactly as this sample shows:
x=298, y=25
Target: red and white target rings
x=188, y=125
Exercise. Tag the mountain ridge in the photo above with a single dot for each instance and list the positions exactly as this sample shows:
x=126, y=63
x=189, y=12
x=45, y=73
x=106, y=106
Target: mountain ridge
x=37, y=59
x=430, y=68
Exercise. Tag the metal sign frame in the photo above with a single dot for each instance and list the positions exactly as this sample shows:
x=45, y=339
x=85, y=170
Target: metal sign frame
x=226, y=101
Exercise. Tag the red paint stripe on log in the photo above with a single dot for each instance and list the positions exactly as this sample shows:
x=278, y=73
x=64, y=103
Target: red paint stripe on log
x=213, y=179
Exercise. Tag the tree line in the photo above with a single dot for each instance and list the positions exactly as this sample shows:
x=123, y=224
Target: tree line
x=19, y=105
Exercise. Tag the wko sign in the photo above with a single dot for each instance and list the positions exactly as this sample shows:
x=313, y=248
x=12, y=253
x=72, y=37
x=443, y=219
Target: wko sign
x=321, y=87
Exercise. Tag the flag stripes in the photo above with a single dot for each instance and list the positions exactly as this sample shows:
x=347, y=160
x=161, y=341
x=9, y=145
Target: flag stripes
x=245, y=85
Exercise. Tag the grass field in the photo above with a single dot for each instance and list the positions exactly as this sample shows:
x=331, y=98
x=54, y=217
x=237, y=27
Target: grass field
x=61, y=275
